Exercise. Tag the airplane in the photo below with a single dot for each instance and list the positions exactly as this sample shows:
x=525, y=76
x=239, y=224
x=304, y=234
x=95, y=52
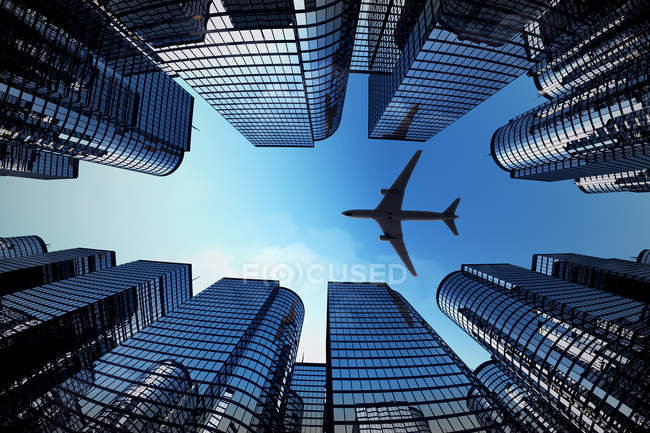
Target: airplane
x=389, y=214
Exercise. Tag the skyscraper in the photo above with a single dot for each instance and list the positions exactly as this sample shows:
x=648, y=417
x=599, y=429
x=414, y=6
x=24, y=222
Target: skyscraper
x=52, y=334
x=20, y=246
x=26, y=161
x=308, y=381
x=644, y=257
x=76, y=84
x=276, y=72
x=594, y=128
x=18, y=273
x=436, y=60
x=583, y=350
x=524, y=408
x=221, y=362
x=621, y=277
x=595, y=131
x=163, y=23
x=277, y=69
x=631, y=181
x=387, y=369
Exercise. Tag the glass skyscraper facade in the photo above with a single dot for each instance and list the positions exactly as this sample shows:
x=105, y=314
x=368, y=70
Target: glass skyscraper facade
x=19, y=246
x=25, y=161
x=594, y=128
x=220, y=362
x=388, y=371
x=583, y=350
x=308, y=382
x=527, y=411
x=18, y=273
x=75, y=83
x=52, y=334
x=276, y=71
x=631, y=181
x=441, y=59
x=621, y=277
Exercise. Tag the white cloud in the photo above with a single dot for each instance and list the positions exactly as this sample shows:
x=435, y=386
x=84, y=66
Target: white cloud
x=286, y=263
x=304, y=263
x=210, y=266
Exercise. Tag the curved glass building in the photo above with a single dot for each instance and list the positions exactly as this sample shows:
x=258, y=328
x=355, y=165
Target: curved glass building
x=162, y=398
x=20, y=246
x=583, y=350
x=644, y=257
x=277, y=69
x=525, y=410
x=276, y=72
x=388, y=370
x=220, y=362
x=578, y=136
x=594, y=129
x=75, y=82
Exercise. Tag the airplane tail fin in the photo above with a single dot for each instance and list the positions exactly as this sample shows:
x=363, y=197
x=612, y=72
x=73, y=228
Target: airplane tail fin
x=451, y=210
x=452, y=226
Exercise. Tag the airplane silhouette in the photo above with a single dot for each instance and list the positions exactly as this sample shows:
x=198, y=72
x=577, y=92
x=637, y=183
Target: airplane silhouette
x=389, y=214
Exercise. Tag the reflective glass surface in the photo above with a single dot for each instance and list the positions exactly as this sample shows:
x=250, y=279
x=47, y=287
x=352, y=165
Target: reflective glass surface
x=308, y=381
x=621, y=277
x=219, y=362
x=388, y=371
x=20, y=246
x=276, y=71
x=617, y=37
x=450, y=60
x=594, y=71
x=75, y=83
x=593, y=131
x=527, y=411
x=19, y=273
x=50, y=335
x=581, y=349
x=632, y=181
x=26, y=161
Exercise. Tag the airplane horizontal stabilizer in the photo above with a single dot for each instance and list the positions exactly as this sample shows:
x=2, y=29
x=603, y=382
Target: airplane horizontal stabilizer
x=452, y=226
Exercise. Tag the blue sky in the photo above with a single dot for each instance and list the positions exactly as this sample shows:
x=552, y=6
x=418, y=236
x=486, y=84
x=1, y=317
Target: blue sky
x=276, y=213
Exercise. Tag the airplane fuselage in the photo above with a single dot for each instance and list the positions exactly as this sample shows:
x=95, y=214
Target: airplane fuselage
x=402, y=215
x=389, y=214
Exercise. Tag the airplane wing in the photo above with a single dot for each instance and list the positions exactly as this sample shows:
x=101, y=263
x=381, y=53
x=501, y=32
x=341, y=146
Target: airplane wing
x=393, y=199
x=393, y=229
